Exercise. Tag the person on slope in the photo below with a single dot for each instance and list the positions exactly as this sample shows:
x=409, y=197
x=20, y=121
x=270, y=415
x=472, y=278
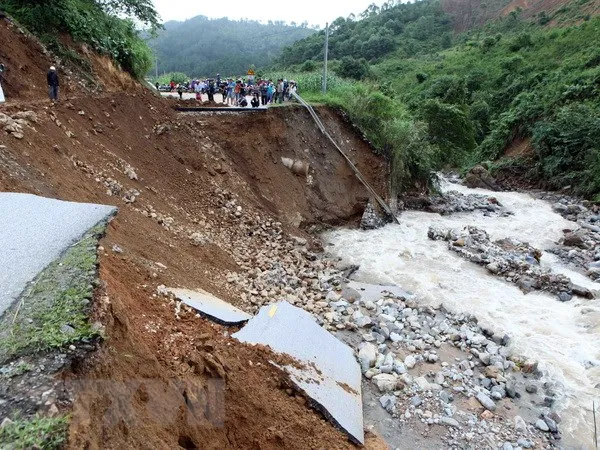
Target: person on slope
x=53, y=84
x=180, y=91
x=2, y=99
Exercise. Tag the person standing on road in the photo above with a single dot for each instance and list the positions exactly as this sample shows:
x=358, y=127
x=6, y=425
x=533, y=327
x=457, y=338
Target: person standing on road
x=53, y=83
x=198, y=90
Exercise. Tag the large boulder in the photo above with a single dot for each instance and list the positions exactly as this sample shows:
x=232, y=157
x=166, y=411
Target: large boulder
x=575, y=239
x=479, y=177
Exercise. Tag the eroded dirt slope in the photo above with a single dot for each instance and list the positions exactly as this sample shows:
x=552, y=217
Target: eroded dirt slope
x=200, y=198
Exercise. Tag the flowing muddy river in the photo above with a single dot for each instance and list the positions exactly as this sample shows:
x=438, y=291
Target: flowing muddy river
x=563, y=337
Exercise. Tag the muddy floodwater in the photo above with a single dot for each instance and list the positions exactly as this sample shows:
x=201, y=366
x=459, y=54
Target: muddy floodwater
x=563, y=337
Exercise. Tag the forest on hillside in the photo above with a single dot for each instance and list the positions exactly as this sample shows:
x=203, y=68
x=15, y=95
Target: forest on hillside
x=430, y=98
x=110, y=28
x=205, y=47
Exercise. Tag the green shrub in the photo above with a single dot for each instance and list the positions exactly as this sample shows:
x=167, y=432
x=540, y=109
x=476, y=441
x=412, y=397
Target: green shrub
x=450, y=129
x=568, y=148
x=356, y=69
x=308, y=66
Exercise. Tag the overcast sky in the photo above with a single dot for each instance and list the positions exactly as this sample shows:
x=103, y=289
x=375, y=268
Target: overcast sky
x=315, y=12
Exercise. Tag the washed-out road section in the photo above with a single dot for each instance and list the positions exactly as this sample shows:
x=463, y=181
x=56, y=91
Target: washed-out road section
x=35, y=231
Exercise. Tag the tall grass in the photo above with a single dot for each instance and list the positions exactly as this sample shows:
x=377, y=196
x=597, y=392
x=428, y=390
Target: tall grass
x=384, y=121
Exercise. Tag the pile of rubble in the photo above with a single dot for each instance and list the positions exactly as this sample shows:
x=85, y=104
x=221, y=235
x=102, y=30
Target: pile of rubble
x=453, y=202
x=581, y=247
x=16, y=124
x=514, y=261
x=404, y=351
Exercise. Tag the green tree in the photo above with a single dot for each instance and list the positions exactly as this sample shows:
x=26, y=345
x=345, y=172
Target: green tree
x=357, y=69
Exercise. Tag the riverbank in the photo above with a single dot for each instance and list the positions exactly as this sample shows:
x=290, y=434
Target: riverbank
x=561, y=337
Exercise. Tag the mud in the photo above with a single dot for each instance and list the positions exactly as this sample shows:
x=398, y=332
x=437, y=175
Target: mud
x=161, y=379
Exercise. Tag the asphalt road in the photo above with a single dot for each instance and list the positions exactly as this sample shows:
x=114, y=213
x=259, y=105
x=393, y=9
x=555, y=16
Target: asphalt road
x=35, y=231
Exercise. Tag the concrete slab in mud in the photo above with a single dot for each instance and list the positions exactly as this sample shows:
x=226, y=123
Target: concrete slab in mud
x=328, y=372
x=212, y=307
x=35, y=231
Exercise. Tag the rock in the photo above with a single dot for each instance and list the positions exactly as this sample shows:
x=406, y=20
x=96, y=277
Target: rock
x=459, y=243
x=507, y=446
x=520, y=425
x=486, y=402
x=479, y=177
x=410, y=362
x=450, y=422
x=565, y=296
x=524, y=443
x=388, y=402
x=373, y=217
x=439, y=378
x=511, y=391
x=575, y=239
x=395, y=337
x=531, y=388
x=581, y=291
x=432, y=358
x=363, y=322
x=529, y=366
x=498, y=392
x=5, y=423
x=367, y=356
x=117, y=249
x=484, y=357
x=542, y=425
x=371, y=373
x=399, y=367
x=131, y=174
x=163, y=128
x=487, y=415
x=67, y=329
x=445, y=397
x=416, y=401
x=53, y=410
x=423, y=384
x=386, y=382
x=350, y=294
x=492, y=372
x=551, y=424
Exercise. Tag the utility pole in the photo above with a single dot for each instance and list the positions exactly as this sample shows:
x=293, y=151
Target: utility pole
x=156, y=58
x=326, y=56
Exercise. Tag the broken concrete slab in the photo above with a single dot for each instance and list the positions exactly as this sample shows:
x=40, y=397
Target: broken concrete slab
x=35, y=231
x=329, y=373
x=211, y=307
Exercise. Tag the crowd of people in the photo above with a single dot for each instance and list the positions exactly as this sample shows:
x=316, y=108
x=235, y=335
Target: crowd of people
x=235, y=92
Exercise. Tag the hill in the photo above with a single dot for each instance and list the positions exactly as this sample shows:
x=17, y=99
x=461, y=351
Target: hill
x=467, y=14
x=205, y=47
x=522, y=90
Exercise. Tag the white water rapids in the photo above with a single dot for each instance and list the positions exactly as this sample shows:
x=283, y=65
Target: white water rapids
x=563, y=337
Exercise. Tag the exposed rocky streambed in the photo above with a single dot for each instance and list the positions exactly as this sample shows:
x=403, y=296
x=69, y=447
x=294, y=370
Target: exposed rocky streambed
x=453, y=356
x=496, y=343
